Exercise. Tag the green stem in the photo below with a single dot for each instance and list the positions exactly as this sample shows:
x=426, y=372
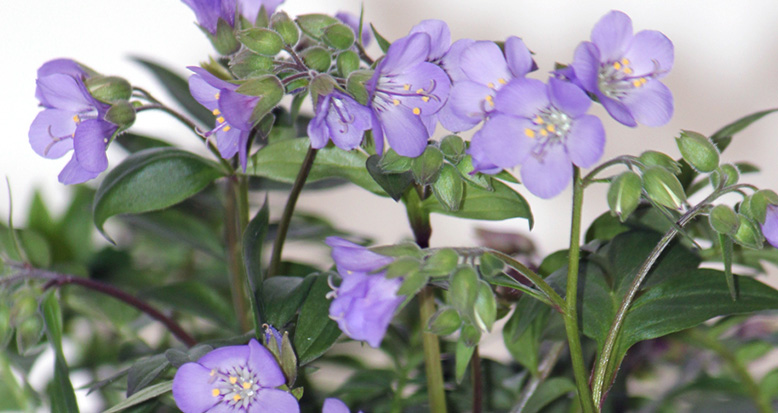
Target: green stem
x=571, y=298
x=625, y=159
x=286, y=218
x=233, y=235
x=477, y=378
x=555, y=299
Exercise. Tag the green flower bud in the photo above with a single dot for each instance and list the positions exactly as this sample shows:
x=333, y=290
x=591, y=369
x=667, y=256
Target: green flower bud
x=485, y=307
x=246, y=64
x=663, y=187
x=224, y=40
x=425, y=167
x=288, y=360
x=748, y=234
x=726, y=171
x=269, y=88
x=284, y=26
x=463, y=290
x=317, y=58
x=413, y=282
x=441, y=262
x=321, y=85
x=724, y=220
x=489, y=265
x=338, y=36
x=355, y=85
x=698, y=151
x=263, y=41
x=393, y=163
x=314, y=25
x=347, y=62
x=759, y=202
x=470, y=335
x=402, y=266
x=449, y=188
x=624, y=194
x=453, y=148
x=108, y=89
x=444, y=322
x=654, y=158
x=122, y=114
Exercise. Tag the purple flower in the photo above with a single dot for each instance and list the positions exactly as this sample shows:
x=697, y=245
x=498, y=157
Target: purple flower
x=623, y=69
x=341, y=118
x=545, y=129
x=366, y=300
x=406, y=92
x=71, y=119
x=231, y=379
x=484, y=71
x=232, y=110
x=250, y=8
x=352, y=20
x=208, y=12
x=770, y=226
x=333, y=405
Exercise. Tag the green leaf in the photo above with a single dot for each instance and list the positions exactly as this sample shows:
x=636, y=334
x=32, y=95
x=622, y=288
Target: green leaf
x=547, y=392
x=282, y=297
x=722, y=137
x=143, y=372
x=151, y=180
x=253, y=238
x=315, y=332
x=133, y=142
x=394, y=184
x=146, y=394
x=63, y=397
x=194, y=297
x=180, y=226
x=478, y=203
x=381, y=40
x=462, y=358
x=178, y=87
x=281, y=161
x=449, y=187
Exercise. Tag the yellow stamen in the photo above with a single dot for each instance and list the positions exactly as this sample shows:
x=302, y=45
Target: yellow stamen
x=529, y=132
x=76, y=119
x=643, y=81
x=220, y=119
x=396, y=102
x=502, y=81
x=246, y=385
x=636, y=83
x=407, y=86
x=213, y=372
x=425, y=98
x=491, y=85
x=625, y=61
x=543, y=132
x=236, y=397
x=216, y=112
x=416, y=111
x=215, y=392
x=233, y=380
x=627, y=70
x=617, y=65
x=227, y=128
x=489, y=99
x=538, y=120
x=217, y=95
x=420, y=91
x=551, y=128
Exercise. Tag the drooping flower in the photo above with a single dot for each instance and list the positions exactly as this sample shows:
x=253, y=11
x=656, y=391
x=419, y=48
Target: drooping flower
x=366, y=300
x=485, y=70
x=406, y=92
x=232, y=110
x=71, y=120
x=208, y=12
x=352, y=20
x=545, y=129
x=233, y=379
x=333, y=405
x=340, y=118
x=770, y=225
x=623, y=71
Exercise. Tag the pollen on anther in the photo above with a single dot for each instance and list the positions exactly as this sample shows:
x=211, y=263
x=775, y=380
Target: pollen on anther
x=215, y=392
x=396, y=102
x=216, y=96
x=420, y=91
x=227, y=128
x=538, y=120
x=246, y=385
x=76, y=119
x=625, y=61
x=529, y=132
x=617, y=65
x=407, y=86
x=636, y=83
x=490, y=85
x=216, y=112
x=220, y=119
x=551, y=128
x=502, y=81
x=425, y=98
x=236, y=397
x=627, y=70
x=213, y=372
x=233, y=380
x=543, y=132
x=416, y=111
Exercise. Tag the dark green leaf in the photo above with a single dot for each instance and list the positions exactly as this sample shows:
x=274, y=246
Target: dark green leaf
x=194, y=297
x=394, y=184
x=63, y=398
x=253, y=238
x=132, y=142
x=449, y=187
x=382, y=42
x=723, y=136
x=151, y=180
x=178, y=88
x=478, y=203
x=547, y=392
x=282, y=297
x=462, y=358
x=143, y=372
x=315, y=332
x=180, y=226
x=146, y=394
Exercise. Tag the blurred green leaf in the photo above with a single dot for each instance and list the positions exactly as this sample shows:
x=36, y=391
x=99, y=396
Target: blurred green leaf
x=146, y=394
x=547, y=392
x=180, y=226
x=282, y=297
x=394, y=184
x=63, y=398
x=315, y=332
x=722, y=137
x=178, y=87
x=500, y=203
x=133, y=142
x=253, y=238
x=144, y=371
x=194, y=297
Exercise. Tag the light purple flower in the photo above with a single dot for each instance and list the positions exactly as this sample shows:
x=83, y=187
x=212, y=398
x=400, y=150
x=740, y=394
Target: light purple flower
x=333, y=405
x=366, y=300
x=623, y=69
x=71, y=120
x=232, y=110
x=770, y=225
x=406, y=92
x=208, y=12
x=484, y=71
x=545, y=129
x=233, y=379
x=340, y=118
x=352, y=20
x=250, y=8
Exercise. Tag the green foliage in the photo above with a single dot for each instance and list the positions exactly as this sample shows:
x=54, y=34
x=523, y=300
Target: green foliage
x=315, y=332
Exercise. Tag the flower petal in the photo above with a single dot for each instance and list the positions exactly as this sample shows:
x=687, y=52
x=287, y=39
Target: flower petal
x=547, y=176
x=503, y=142
x=612, y=35
x=274, y=401
x=651, y=104
x=450, y=61
x=650, y=52
x=618, y=110
x=424, y=80
x=522, y=97
x=89, y=143
x=64, y=92
x=470, y=101
x=518, y=56
x=405, y=53
x=353, y=257
x=206, y=13
x=586, y=141
x=73, y=173
x=264, y=364
x=228, y=142
x=440, y=36
x=211, y=79
x=481, y=162
x=203, y=92
x=62, y=66
x=191, y=390
x=770, y=226
x=406, y=132
x=347, y=121
x=51, y=133
x=586, y=65
x=484, y=63
x=318, y=132
x=568, y=97
x=237, y=108
x=452, y=122
x=224, y=357
x=333, y=405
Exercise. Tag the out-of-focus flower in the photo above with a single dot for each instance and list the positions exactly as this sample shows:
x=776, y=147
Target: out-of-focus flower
x=770, y=225
x=352, y=20
x=250, y=8
x=333, y=405
x=341, y=119
x=623, y=71
x=208, y=12
x=231, y=379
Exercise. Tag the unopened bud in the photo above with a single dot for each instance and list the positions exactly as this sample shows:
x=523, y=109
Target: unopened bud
x=288, y=360
x=269, y=88
x=485, y=307
x=724, y=220
x=446, y=321
x=108, y=89
x=759, y=202
x=281, y=23
x=748, y=234
x=449, y=187
x=317, y=58
x=321, y=85
x=453, y=148
x=698, y=151
x=426, y=166
x=470, y=335
x=355, y=85
x=624, y=194
x=314, y=24
x=246, y=64
x=338, y=36
x=224, y=40
x=489, y=265
x=122, y=114
x=441, y=262
x=463, y=290
x=663, y=187
x=347, y=62
x=654, y=158
x=728, y=172
x=263, y=41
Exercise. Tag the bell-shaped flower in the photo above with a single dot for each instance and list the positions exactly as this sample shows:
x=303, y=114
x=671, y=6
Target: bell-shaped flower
x=233, y=379
x=545, y=129
x=341, y=119
x=770, y=225
x=333, y=405
x=71, y=120
x=232, y=110
x=366, y=300
x=406, y=92
x=623, y=70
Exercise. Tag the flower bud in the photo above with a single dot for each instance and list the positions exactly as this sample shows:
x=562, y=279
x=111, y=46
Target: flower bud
x=122, y=114
x=425, y=167
x=263, y=41
x=347, y=62
x=314, y=24
x=269, y=88
x=698, y=151
x=748, y=234
x=317, y=58
x=470, y=335
x=489, y=265
x=485, y=307
x=288, y=360
x=654, y=158
x=724, y=220
x=759, y=202
x=284, y=26
x=463, y=290
x=402, y=266
x=441, y=262
x=453, y=148
x=663, y=187
x=321, y=85
x=624, y=194
x=444, y=322
x=338, y=36
x=449, y=188
x=393, y=163
x=246, y=64
x=726, y=171
x=224, y=40
x=108, y=89
x=355, y=85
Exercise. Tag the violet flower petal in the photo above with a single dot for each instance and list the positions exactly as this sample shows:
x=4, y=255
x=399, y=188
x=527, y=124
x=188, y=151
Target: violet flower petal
x=274, y=401
x=206, y=12
x=405, y=53
x=51, y=133
x=353, y=257
x=188, y=386
x=503, y=142
x=263, y=362
x=405, y=131
x=522, y=97
x=65, y=92
x=650, y=104
x=518, y=57
x=237, y=108
x=618, y=110
x=471, y=101
x=650, y=50
x=568, y=98
x=333, y=405
x=450, y=62
x=73, y=173
x=484, y=63
x=549, y=175
x=586, y=65
x=440, y=37
x=225, y=356
x=612, y=34
x=585, y=142
x=770, y=226
x=89, y=144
